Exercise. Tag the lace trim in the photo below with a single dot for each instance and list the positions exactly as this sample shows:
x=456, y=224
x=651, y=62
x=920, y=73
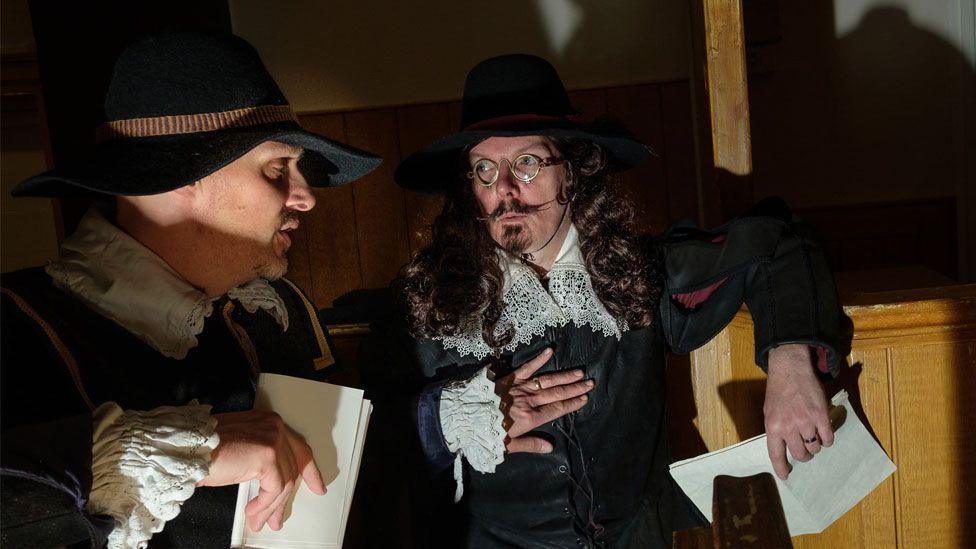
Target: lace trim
x=258, y=293
x=185, y=332
x=146, y=464
x=529, y=310
x=471, y=422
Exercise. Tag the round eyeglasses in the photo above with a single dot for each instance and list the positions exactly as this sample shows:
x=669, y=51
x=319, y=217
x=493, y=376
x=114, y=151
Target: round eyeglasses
x=524, y=167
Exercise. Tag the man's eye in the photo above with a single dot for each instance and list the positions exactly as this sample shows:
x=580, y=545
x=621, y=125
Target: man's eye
x=527, y=160
x=483, y=166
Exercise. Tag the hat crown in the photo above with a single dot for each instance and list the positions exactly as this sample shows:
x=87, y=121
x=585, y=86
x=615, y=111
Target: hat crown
x=188, y=73
x=510, y=85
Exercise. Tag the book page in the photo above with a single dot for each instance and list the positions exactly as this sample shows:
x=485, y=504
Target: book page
x=817, y=492
x=333, y=421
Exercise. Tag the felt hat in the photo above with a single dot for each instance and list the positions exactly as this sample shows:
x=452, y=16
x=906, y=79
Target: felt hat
x=513, y=95
x=182, y=105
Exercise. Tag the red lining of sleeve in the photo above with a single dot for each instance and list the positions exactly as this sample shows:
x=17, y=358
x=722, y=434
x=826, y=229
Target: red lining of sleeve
x=822, y=359
x=690, y=300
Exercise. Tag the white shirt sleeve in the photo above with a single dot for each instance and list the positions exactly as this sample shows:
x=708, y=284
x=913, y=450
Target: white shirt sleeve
x=471, y=422
x=146, y=464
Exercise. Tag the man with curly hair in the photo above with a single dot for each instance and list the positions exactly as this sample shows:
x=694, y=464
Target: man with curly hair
x=540, y=320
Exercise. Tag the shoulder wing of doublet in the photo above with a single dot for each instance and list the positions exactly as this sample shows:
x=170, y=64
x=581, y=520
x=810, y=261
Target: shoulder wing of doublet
x=437, y=361
x=696, y=257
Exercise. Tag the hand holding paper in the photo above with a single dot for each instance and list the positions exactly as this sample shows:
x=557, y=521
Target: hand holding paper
x=817, y=493
x=795, y=408
x=333, y=422
x=259, y=445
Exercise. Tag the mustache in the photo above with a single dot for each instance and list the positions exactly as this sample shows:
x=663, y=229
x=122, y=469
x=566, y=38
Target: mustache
x=516, y=207
x=288, y=216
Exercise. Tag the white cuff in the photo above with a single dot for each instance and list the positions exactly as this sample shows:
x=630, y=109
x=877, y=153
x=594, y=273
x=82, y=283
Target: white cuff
x=471, y=422
x=146, y=464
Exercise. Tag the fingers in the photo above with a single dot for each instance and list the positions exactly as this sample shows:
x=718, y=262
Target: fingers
x=276, y=519
x=562, y=392
x=825, y=430
x=777, y=456
x=555, y=379
x=306, y=463
x=526, y=370
x=558, y=409
x=260, y=508
x=263, y=516
x=811, y=443
x=797, y=448
x=529, y=444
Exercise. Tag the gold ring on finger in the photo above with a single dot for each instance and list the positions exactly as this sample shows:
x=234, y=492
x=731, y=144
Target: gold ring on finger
x=538, y=384
x=810, y=440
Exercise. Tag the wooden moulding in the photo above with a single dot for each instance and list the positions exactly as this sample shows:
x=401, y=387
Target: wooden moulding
x=929, y=315
x=932, y=314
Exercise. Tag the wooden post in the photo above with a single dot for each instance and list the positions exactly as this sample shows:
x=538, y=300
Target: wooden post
x=720, y=91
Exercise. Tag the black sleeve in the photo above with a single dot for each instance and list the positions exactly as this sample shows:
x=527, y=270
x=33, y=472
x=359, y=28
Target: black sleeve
x=35, y=383
x=45, y=470
x=768, y=258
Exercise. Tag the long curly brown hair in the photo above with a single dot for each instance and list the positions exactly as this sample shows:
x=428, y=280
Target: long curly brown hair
x=456, y=279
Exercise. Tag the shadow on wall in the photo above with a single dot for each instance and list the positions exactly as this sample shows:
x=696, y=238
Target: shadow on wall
x=898, y=102
x=343, y=55
x=883, y=113
x=871, y=114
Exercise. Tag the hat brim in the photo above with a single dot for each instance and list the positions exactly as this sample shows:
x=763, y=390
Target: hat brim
x=431, y=169
x=154, y=165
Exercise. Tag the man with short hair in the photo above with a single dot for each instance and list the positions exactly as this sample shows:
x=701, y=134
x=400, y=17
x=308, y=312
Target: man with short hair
x=129, y=364
x=541, y=322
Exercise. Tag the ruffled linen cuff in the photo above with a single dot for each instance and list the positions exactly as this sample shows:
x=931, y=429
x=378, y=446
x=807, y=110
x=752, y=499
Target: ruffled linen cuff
x=471, y=422
x=146, y=464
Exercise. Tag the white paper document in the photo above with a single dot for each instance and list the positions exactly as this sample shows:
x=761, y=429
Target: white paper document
x=817, y=492
x=333, y=420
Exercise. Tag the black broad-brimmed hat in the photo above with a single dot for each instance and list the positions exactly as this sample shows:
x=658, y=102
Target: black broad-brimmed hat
x=507, y=96
x=182, y=105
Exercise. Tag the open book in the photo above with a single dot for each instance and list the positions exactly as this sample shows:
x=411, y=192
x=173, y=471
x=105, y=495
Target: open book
x=333, y=420
x=817, y=492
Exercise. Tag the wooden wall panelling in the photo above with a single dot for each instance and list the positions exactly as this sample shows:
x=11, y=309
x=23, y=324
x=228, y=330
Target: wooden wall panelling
x=877, y=512
x=418, y=127
x=639, y=108
x=938, y=234
x=935, y=438
x=912, y=381
x=384, y=243
x=454, y=115
x=728, y=386
x=330, y=235
x=590, y=103
x=299, y=264
x=888, y=234
x=678, y=152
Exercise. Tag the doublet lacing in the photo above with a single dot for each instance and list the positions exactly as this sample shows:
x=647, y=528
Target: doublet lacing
x=583, y=497
x=531, y=310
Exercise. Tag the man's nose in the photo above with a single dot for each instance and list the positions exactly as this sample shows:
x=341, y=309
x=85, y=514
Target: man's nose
x=300, y=195
x=506, y=184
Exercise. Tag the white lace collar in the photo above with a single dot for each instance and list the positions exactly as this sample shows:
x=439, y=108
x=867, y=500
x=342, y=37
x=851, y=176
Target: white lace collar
x=530, y=309
x=121, y=279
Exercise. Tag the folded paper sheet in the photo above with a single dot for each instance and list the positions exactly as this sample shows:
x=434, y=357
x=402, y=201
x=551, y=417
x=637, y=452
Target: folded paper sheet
x=817, y=492
x=333, y=421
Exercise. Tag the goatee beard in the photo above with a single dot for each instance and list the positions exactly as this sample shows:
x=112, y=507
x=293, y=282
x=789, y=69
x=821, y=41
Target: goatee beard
x=273, y=270
x=514, y=239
